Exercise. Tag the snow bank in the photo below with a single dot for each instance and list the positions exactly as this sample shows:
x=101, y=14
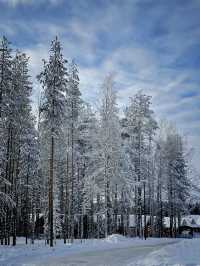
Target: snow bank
x=115, y=238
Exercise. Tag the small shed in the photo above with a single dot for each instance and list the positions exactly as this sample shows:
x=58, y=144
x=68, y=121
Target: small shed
x=189, y=227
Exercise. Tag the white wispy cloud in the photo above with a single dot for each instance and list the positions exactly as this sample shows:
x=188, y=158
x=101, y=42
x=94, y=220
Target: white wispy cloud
x=139, y=41
x=14, y=3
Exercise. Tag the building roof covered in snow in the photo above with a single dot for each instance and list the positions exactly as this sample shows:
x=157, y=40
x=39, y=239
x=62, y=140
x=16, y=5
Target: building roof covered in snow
x=192, y=221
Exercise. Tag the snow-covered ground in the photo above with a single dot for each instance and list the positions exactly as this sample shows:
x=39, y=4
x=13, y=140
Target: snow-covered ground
x=186, y=252
x=115, y=250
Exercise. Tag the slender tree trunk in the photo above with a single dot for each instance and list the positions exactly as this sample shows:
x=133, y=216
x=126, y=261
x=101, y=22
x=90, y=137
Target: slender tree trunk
x=32, y=222
x=82, y=226
x=171, y=207
x=51, y=192
x=98, y=214
x=139, y=191
x=72, y=177
x=27, y=203
x=14, y=227
x=179, y=222
x=16, y=170
x=107, y=188
x=145, y=222
x=91, y=213
x=116, y=210
x=2, y=79
x=79, y=203
x=66, y=216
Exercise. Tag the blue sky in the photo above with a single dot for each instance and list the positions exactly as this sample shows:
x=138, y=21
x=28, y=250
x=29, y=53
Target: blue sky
x=153, y=45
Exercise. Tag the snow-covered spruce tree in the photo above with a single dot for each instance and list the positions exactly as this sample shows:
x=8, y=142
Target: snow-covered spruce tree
x=81, y=164
x=43, y=143
x=60, y=178
x=73, y=102
x=54, y=81
x=177, y=183
x=160, y=173
x=140, y=128
x=5, y=87
x=127, y=199
x=16, y=114
x=5, y=90
x=23, y=141
x=88, y=160
x=109, y=149
x=28, y=183
x=183, y=182
x=149, y=200
x=5, y=74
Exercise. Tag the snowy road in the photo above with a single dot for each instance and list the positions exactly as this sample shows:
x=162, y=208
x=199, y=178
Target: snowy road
x=114, y=257
x=113, y=251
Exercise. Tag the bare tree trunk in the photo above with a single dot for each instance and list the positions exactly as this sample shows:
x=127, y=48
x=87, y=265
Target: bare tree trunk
x=15, y=197
x=171, y=206
x=91, y=213
x=14, y=226
x=79, y=203
x=27, y=202
x=2, y=78
x=98, y=216
x=116, y=210
x=152, y=204
x=32, y=221
x=72, y=177
x=51, y=191
x=106, y=199
x=145, y=221
x=66, y=209
x=139, y=190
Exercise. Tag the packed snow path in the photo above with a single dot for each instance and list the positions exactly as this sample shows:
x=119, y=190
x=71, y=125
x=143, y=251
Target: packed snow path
x=110, y=257
x=115, y=250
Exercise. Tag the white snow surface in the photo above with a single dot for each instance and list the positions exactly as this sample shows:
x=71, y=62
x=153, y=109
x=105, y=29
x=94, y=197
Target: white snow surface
x=184, y=253
x=115, y=250
x=115, y=238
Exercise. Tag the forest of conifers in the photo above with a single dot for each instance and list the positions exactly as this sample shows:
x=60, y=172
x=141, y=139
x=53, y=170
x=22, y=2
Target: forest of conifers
x=76, y=171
